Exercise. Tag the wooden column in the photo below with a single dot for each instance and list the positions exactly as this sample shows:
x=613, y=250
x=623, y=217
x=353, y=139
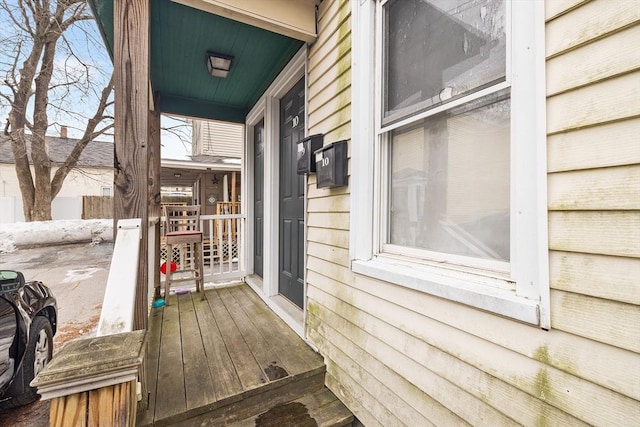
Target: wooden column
x=131, y=161
x=154, y=188
x=93, y=382
x=233, y=190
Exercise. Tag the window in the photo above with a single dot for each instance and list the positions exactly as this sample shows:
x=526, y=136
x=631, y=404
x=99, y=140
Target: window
x=443, y=75
x=457, y=190
x=105, y=191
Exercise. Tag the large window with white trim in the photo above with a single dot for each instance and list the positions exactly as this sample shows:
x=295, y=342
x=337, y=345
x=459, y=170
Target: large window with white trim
x=445, y=122
x=458, y=192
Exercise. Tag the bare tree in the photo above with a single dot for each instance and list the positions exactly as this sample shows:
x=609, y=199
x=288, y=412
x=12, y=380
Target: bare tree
x=45, y=76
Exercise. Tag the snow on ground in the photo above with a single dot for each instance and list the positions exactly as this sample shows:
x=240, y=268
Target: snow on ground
x=42, y=233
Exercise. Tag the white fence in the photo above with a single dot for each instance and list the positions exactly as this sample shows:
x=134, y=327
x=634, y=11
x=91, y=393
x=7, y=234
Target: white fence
x=61, y=208
x=223, y=252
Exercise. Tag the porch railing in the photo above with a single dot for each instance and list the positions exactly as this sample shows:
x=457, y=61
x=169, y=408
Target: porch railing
x=223, y=252
x=101, y=379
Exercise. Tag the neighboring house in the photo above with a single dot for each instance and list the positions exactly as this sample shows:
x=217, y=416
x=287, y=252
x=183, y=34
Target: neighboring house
x=216, y=138
x=222, y=143
x=482, y=265
x=92, y=176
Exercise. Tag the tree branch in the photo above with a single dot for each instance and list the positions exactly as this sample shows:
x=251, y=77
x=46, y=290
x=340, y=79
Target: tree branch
x=89, y=134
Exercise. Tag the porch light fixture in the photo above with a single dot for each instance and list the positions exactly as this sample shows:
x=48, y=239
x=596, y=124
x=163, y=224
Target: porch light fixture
x=177, y=174
x=218, y=64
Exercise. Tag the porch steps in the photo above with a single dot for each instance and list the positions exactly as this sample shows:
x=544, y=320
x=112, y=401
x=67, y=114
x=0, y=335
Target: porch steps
x=225, y=359
x=321, y=409
x=247, y=404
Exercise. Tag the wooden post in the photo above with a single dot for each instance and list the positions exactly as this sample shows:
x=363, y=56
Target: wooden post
x=93, y=382
x=154, y=187
x=131, y=160
x=233, y=189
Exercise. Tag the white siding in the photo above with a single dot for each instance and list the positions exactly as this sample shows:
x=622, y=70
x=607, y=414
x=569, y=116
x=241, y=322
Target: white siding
x=397, y=356
x=215, y=138
x=68, y=202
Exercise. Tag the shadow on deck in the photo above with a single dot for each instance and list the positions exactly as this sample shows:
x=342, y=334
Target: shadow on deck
x=225, y=359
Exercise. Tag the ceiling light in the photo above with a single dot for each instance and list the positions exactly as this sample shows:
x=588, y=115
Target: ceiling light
x=218, y=64
x=177, y=174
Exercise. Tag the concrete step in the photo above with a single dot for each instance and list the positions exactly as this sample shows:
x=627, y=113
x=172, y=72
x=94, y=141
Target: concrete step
x=319, y=409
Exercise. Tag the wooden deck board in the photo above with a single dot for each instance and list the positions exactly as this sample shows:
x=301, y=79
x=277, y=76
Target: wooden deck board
x=222, y=371
x=206, y=356
x=247, y=368
x=292, y=351
x=262, y=350
x=151, y=367
x=199, y=388
x=169, y=399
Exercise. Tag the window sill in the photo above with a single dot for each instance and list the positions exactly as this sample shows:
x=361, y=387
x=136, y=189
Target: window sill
x=426, y=279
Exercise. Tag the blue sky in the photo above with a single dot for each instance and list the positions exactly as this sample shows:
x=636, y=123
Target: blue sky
x=91, y=67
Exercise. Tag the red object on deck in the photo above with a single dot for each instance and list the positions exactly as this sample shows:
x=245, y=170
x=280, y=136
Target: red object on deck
x=163, y=267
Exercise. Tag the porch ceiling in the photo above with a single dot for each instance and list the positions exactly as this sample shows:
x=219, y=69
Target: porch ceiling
x=180, y=37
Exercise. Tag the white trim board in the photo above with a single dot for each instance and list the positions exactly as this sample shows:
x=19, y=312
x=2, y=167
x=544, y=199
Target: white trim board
x=267, y=107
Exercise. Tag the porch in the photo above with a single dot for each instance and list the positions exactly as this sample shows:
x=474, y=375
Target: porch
x=224, y=358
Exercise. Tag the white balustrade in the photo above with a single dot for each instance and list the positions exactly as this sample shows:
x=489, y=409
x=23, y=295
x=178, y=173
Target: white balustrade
x=222, y=248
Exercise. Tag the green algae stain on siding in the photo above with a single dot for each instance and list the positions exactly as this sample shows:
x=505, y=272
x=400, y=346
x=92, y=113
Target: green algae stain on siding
x=542, y=355
x=542, y=384
x=543, y=391
x=543, y=417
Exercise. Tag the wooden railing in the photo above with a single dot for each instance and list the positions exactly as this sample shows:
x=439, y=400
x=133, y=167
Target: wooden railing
x=99, y=381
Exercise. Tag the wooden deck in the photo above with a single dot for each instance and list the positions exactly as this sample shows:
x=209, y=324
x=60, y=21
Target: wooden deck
x=222, y=358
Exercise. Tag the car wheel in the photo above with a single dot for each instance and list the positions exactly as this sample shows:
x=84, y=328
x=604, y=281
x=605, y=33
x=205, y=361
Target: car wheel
x=43, y=346
x=39, y=352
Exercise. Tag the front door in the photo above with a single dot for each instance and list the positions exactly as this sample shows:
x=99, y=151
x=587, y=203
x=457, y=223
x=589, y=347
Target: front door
x=291, y=221
x=258, y=202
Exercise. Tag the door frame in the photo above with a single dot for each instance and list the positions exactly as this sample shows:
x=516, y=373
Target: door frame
x=268, y=107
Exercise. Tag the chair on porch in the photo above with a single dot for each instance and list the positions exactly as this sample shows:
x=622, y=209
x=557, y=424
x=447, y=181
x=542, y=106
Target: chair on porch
x=183, y=229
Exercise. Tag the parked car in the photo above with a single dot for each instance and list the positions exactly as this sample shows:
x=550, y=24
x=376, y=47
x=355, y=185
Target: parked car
x=28, y=316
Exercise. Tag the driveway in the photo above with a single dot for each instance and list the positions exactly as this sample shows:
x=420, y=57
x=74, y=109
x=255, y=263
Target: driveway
x=77, y=275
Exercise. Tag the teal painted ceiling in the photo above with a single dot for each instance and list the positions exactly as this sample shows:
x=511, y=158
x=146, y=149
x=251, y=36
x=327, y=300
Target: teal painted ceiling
x=180, y=38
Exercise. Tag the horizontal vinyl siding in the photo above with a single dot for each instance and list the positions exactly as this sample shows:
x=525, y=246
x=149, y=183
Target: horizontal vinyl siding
x=214, y=138
x=397, y=356
x=487, y=370
x=327, y=260
x=593, y=90
x=79, y=182
x=593, y=106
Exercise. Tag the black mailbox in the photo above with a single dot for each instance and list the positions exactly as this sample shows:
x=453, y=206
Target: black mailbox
x=331, y=165
x=306, y=147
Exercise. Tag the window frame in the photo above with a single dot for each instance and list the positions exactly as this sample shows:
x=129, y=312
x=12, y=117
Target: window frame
x=522, y=291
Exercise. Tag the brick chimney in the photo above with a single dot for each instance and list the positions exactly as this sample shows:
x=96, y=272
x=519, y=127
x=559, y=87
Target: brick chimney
x=63, y=132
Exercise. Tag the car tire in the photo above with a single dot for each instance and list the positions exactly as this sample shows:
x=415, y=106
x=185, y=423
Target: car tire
x=38, y=353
